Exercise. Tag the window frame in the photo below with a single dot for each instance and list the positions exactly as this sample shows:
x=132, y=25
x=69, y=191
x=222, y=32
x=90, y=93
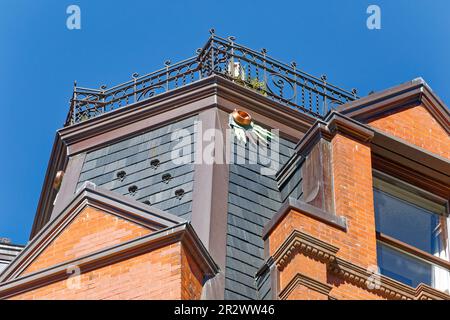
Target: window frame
x=401, y=246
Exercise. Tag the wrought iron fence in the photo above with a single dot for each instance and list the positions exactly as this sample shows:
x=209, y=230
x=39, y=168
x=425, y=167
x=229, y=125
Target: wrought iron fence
x=254, y=70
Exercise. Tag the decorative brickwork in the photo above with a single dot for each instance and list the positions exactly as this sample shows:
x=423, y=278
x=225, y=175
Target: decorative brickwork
x=315, y=257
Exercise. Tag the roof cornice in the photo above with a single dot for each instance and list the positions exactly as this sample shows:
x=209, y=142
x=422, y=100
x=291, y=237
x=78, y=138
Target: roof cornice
x=58, y=160
x=214, y=88
x=389, y=101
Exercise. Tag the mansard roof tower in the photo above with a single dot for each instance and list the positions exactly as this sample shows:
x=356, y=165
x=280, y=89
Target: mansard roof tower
x=231, y=175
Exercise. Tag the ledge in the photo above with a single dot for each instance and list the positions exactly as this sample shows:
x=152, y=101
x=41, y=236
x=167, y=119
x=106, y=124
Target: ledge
x=306, y=209
x=310, y=283
x=338, y=123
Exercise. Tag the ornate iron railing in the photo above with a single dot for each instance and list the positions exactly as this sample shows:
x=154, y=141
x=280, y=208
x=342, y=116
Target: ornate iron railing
x=254, y=70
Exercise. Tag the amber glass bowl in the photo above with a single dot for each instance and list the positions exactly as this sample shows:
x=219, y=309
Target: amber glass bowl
x=241, y=117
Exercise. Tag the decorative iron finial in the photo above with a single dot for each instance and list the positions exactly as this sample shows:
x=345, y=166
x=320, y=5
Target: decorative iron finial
x=354, y=91
x=264, y=51
x=135, y=75
x=231, y=38
x=323, y=77
x=212, y=31
x=103, y=86
x=294, y=64
x=75, y=83
x=167, y=63
x=198, y=51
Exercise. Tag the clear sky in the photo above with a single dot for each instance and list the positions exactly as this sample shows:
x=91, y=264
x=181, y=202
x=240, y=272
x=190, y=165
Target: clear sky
x=40, y=58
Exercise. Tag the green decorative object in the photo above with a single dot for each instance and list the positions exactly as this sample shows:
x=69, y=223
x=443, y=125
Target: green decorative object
x=244, y=128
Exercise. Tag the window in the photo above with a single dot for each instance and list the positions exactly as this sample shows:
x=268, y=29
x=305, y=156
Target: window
x=412, y=232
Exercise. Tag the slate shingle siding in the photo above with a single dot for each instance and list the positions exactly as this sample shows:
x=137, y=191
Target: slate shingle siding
x=252, y=201
x=263, y=285
x=134, y=156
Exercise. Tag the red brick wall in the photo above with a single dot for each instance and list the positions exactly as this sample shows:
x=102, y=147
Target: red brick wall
x=352, y=183
x=417, y=126
x=191, y=277
x=90, y=231
x=353, y=193
x=353, y=196
x=154, y=275
x=169, y=272
x=352, y=174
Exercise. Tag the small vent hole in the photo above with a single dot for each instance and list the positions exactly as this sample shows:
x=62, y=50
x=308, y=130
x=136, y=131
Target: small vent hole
x=147, y=202
x=121, y=175
x=179, y=193
x=166, y=177
x=154, y=163
x=132, y=190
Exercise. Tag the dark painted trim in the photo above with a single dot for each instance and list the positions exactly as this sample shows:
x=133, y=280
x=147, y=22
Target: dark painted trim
x=304, y=208
x=411, y=171
x=391, y=100
x=69, y=183
x=413, y=152
x=182, y=232
x=402, y=246
x=412, y=163
x=58, y=161
x=338, y=123
x=210, y=195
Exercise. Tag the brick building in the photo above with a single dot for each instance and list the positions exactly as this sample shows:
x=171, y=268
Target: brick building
x=313, y=192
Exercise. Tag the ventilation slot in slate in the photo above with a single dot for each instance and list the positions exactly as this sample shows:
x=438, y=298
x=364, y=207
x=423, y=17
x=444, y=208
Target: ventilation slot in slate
x=154, y=163
x=132, y=190
x=166, y=177
x=179, y=193
x=147, y=202
x=121, y=175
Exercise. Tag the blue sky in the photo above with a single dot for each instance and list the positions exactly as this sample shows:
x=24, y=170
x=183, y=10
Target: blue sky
x=40, y=58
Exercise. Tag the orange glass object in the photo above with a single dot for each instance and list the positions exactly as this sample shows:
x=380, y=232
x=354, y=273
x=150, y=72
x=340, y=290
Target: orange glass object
x=241, y=117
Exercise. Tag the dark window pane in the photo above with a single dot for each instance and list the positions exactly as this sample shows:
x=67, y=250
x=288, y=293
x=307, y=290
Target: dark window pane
x=402, y=267
x=407, y=222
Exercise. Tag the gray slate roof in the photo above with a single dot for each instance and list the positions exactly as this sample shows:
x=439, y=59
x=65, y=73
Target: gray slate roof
x=136, y=157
